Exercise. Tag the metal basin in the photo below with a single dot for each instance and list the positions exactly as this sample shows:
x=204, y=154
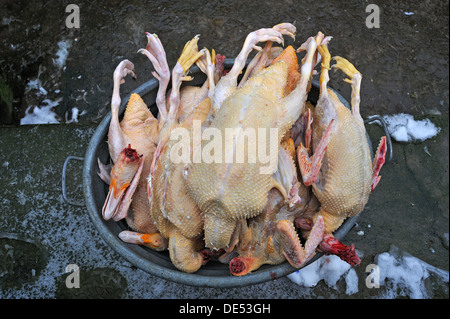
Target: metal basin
x=214, y=274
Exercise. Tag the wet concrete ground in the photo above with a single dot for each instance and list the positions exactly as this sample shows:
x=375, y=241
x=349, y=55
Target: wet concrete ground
x=405, y=69
x=404, y=62
x=40, y=234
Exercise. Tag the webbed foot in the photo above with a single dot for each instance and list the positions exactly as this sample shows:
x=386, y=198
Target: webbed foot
x=188, y=57
x=157, y=56
x=116, y=140
x=378, y=162
x=355, y=80
x=310, y=166
x=295, y=253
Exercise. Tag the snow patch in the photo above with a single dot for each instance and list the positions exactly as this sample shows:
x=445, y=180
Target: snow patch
x=405, y=275
x=75, y=114
x=400, y=275
x=37, y=85
x=62, y=53
x=44, y=114
x=403, y=128
x=329, y=269
x=41, y=115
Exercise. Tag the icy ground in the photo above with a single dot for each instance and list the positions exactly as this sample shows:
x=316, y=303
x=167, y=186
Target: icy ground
x=396, y=272
x=31, y=190
x=76, y=241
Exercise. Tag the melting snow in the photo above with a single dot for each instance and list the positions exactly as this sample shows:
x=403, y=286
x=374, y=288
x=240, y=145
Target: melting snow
x=400, y=275
x=42, y=114
x=35, y=84
x=62, y=53
x=404, y=275
x=330, y=269
x=75, y=114
x=403, y=128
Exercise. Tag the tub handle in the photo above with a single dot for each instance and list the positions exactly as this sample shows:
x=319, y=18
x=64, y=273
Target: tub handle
x=63, y=181
x=375, y=118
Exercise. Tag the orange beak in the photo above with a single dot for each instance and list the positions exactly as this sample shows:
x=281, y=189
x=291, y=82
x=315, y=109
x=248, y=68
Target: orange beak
x=124, y=179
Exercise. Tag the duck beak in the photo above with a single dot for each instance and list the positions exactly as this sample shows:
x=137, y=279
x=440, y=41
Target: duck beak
x=124, y=180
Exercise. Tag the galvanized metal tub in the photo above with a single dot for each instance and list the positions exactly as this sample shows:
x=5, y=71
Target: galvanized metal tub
x=214, y=274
